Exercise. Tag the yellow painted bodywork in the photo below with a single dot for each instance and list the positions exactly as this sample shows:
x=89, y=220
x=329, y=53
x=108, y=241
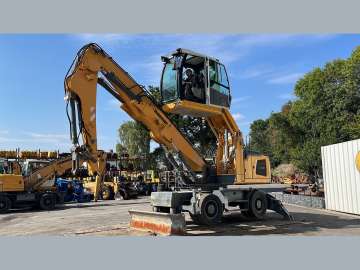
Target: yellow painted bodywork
x=250, y=170
x=11, y=183
x=91, y=186
x=15, y=182
x=150, y=177
x=221, y=120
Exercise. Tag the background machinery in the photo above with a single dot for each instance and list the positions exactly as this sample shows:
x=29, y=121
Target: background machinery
x=235, y=179
x=33, y=182
x=113, y=184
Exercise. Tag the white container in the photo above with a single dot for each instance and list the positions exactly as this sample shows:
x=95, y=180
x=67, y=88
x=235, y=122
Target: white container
x=341, y=176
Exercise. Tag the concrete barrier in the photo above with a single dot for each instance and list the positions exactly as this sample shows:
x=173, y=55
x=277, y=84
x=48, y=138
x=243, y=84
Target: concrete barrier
x=301, y=200
x=158, y=223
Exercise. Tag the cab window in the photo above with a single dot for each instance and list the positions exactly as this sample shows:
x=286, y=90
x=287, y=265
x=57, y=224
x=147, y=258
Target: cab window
x=261, y=167
x=223, y=77
x=219, y=85
x=214, y=78
x=169, y=83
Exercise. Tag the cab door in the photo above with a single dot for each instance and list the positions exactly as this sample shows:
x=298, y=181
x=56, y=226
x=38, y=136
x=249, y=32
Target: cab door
x=219, y=87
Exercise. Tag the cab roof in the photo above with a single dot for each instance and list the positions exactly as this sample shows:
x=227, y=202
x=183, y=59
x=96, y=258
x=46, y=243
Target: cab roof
x=186, y=51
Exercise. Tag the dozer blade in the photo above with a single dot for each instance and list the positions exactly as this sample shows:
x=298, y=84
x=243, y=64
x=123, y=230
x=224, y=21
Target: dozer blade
x=158, y=223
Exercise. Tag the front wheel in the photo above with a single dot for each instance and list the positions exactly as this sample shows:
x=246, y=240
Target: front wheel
x=211, y=210
x=5, y=204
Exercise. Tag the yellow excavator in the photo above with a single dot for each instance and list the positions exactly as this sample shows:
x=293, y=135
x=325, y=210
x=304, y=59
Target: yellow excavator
x=192, y=84
x=23, y=187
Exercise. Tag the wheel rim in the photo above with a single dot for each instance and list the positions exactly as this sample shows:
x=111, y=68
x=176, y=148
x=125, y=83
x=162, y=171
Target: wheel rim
x=47, y=201
x=106, y=194
x=258, y=204
x=211, y=209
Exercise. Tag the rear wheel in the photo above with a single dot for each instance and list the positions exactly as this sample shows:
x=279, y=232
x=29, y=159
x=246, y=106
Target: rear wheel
x=123, y=195
x=211, y=210
x=47, y=201
x=5, y=204
x=258, y=205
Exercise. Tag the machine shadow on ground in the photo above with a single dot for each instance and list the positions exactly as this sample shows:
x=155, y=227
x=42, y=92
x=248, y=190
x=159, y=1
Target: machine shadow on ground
x=303, y=223
x=67, y=206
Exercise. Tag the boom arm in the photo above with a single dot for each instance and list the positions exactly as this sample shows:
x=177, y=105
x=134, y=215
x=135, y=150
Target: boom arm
x=94, y=66
x=43, y=174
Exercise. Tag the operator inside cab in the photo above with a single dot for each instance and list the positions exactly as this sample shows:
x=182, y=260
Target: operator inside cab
x=190, y=76
x=194, y=86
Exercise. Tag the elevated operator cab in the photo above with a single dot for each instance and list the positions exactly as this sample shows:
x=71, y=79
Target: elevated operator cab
x=193, y=81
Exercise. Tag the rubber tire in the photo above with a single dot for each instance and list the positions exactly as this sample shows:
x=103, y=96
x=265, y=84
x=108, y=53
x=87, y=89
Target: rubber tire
x=7, y=204
x=107, y=193
x=205, y=202
x=256, y=198
x=47, y=201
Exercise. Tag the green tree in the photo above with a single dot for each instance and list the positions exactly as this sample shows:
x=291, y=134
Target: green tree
x=259, y=141
x=120, y=149
x=135, y=138
x=326, y=111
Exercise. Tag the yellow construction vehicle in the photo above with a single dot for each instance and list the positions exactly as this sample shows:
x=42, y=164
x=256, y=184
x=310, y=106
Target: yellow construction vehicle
x=31, y=185
x=109, y=186
x=191, y=84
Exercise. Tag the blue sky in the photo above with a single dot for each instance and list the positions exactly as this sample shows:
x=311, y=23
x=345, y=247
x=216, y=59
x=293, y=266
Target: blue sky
x=263, y=69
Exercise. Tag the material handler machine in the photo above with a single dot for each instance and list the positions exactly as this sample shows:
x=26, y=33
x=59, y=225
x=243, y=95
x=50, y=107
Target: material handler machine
x=24, y=187
x=192, y=84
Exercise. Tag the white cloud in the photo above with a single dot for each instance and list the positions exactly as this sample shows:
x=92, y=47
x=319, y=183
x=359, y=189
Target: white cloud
x=7, y=139
x=238, y=116
x=51, y=136
x=112, y=104
x=151, y=68
x=287, y=96
x=4, y=132
x=265, y=40
x=31, y=140
x=34, y=137
x=240, y=99
x=280, y=39
x=286, y=79
x=256, y=72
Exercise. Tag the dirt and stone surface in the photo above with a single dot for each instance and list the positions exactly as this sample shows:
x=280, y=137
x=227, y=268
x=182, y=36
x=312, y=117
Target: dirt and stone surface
x=111, y=218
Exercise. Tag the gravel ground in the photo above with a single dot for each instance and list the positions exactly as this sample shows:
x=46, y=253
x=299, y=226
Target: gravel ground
x=112, y=218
